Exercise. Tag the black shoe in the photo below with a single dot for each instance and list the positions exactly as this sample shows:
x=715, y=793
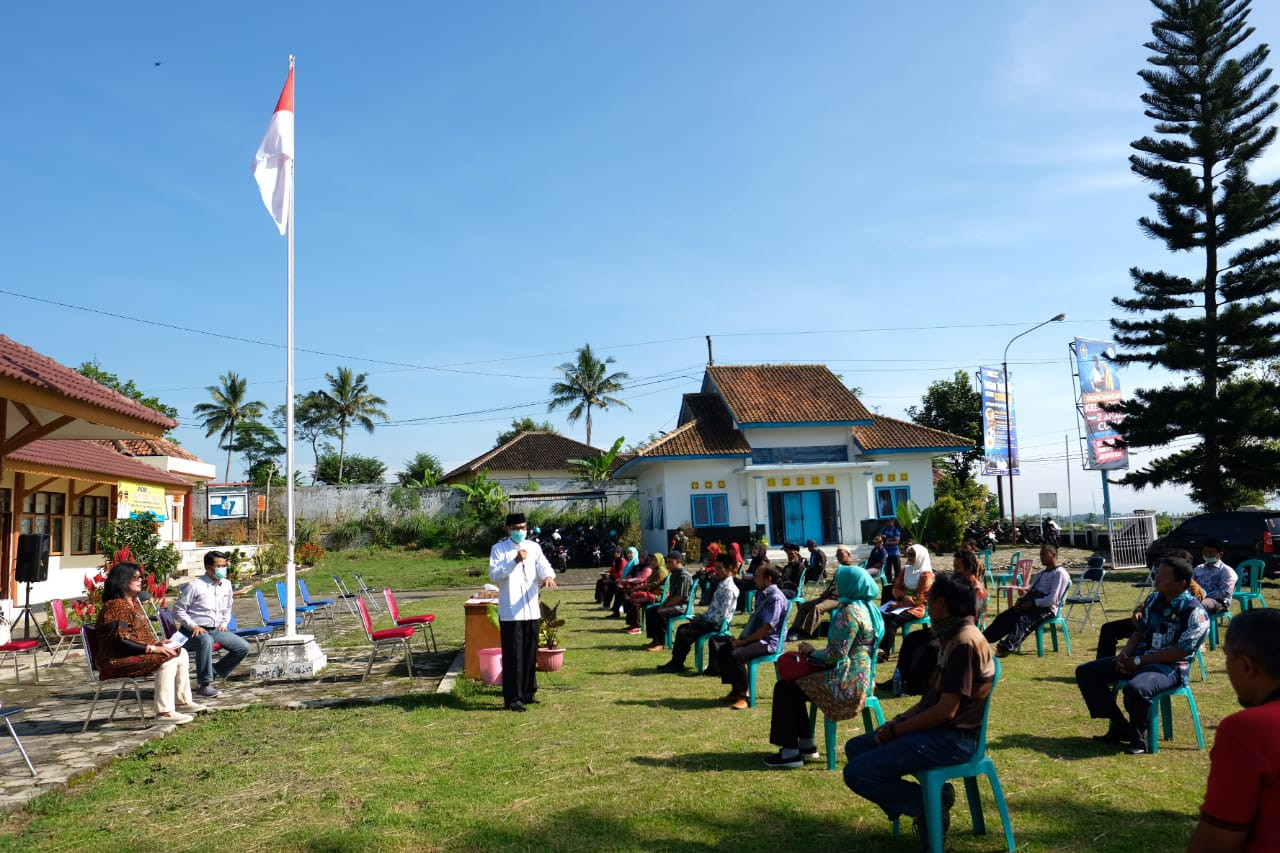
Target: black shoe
x=516, y=706
x=1113, y=736
x=778, y=761
x=671, y=667
x=948, y=800
x=1137, y=746
x=885, y=685
x=531, y=701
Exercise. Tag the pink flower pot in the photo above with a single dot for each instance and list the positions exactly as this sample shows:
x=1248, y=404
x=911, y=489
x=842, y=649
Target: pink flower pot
x=550, y=660
x=491, y=666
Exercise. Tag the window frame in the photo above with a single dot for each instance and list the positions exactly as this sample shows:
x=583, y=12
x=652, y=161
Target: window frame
x=894, y=499
x=55, y=525
x=95, y=520
x=710, y=503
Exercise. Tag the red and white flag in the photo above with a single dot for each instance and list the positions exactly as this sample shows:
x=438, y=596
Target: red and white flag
x=273, y=164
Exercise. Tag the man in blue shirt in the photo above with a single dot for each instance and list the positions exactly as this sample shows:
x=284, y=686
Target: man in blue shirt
x=892, y=535
x=1155, y=659
x=729, y=658
x=1216, y=578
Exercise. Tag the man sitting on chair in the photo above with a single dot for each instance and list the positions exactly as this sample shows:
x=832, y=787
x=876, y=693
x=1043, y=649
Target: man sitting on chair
x=1241, y=808
x=1156, y=658
x=1216, y=577
x=202, y=613
x=678, y=591
x=1041, y=601
x=723, y=601
x=939, y=730
x=729, y=657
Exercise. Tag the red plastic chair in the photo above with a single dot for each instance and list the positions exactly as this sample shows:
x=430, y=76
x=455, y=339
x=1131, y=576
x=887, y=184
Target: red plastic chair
x=21, y=647
x=68, y=635
x=398, y=636
x=422, y=619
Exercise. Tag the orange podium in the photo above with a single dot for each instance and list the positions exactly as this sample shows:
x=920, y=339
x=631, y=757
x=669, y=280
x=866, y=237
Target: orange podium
x=480, y=634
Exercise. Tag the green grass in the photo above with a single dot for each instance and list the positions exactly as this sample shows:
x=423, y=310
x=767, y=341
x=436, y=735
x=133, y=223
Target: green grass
x=616, y=757
x=398, y=568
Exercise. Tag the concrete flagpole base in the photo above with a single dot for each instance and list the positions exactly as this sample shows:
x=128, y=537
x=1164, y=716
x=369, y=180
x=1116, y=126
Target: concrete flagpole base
x=290, y=658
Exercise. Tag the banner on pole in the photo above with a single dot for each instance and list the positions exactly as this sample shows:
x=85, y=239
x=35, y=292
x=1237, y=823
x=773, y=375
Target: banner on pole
x=999, y=427
x=1099, y=386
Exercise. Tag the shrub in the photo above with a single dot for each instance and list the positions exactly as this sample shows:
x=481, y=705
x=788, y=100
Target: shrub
x=309, y=553
x=414, y=531
x=140, y=537
x=346, y=534
x=948, y=523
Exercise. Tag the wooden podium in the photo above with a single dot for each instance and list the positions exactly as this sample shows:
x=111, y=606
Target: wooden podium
x=480, y=633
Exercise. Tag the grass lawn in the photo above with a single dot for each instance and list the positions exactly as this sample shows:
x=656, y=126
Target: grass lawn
x=398, y=568
x=615, y=757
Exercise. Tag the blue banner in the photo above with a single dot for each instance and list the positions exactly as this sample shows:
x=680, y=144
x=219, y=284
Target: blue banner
x=999, y=427
x=1099, y=386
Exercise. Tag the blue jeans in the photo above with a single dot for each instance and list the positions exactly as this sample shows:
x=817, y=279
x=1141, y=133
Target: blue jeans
x=234, y=648
x=875, y=772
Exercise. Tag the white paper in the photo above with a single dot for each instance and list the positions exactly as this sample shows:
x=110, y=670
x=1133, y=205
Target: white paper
x=893, y=608
x=177, y=641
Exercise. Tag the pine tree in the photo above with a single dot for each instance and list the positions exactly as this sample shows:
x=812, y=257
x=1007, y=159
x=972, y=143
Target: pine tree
x=1211, y=103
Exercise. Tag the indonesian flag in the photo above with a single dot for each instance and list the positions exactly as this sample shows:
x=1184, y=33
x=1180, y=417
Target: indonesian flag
x=273, y=164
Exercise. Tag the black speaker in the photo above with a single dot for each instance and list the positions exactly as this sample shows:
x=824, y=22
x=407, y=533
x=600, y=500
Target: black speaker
x=33, y=557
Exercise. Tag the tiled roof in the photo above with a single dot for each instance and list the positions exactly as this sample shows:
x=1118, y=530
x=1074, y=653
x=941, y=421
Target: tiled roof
x=705, y=430
x=149, y=447
x=88, y=458
x=528, y=451
x=893, y=434
x=784, y=393
x=25, y=365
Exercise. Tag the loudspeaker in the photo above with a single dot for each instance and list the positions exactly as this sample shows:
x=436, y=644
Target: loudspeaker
x=33, y=557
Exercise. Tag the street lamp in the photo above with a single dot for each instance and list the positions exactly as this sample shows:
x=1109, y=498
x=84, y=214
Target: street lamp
x=1008, y=416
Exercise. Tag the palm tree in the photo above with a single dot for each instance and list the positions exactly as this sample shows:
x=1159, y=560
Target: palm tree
x=227, y=411
x=350, y=402
x=585, y=385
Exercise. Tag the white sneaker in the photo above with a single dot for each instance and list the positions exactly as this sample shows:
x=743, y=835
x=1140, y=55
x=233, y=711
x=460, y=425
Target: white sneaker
x=175, y=718
x=193, y=707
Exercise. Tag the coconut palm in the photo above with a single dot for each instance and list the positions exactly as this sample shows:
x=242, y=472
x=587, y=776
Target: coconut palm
x=228, y=410
x=350, y=402
x=586, y=385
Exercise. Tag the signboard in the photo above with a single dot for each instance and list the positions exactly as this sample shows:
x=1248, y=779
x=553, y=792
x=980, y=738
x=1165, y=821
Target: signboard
x=262, y=503
x=228, y=503
x=1099, y=386
x=138, y=500
x=999, y=427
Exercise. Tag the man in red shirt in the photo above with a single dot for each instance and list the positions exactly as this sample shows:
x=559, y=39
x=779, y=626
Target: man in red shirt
x=1241, y=810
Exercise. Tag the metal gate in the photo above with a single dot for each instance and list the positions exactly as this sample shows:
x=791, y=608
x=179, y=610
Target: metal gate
x=1130, y=536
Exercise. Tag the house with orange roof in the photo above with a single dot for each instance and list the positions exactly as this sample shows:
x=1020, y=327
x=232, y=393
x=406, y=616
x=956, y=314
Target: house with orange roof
x=783, y=451
x=61, y=475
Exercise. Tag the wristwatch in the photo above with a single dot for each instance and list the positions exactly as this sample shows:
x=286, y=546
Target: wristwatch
x=1137, y=662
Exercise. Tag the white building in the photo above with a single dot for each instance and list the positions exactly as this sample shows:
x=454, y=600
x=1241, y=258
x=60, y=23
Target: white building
x=785, y=451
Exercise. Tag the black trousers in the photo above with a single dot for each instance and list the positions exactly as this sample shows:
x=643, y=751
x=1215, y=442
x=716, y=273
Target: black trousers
x=732, y=662
x=790, y=718
x=656, y=619
x=686, y=635
x=519, y=660
x=1110, y=635
x=892, y=565
x=1012, y=626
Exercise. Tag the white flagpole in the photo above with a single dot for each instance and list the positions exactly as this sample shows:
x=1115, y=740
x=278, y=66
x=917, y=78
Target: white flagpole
x=291, y=571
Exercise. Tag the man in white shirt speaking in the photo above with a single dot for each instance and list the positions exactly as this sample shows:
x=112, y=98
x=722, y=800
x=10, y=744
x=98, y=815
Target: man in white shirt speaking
x=202, y=613
x=519, y=568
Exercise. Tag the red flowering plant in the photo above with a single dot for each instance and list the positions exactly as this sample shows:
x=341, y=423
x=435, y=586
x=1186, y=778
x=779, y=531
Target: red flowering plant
x=84, y=611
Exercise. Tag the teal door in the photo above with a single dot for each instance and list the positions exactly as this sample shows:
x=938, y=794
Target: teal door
x=802, y=512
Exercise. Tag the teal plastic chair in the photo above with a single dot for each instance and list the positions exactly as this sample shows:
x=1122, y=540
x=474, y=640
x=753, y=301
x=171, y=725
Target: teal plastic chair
x=674, y=621
x=661, y=597
x=1250, y=572
x=1162, y=709
x=755, y=663
x=700, y=644
x=1005, y=578
x=923, y=622
x=933, y=778
x=1052, y=626
x=872, y=713
x=1223, y=618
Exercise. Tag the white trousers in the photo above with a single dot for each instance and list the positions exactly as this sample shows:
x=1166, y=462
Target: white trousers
x=173, y=680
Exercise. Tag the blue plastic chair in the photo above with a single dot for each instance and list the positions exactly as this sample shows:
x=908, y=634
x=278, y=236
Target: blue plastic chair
x=933, y=778
x=305, y=610
x=258, y=633
x=700, y=644
x=1250, y=572
x=267, y=618
x=674, y=621
x=1162, y=707
x=872, y=713
x=772, y=657
x=315, y=602
x=1052, y=625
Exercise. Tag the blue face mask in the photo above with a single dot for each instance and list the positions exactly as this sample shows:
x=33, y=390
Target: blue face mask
x=517, y=536
x=220, y=572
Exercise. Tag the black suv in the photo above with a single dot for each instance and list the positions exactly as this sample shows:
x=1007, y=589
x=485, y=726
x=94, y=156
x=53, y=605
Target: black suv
x=1245, y=534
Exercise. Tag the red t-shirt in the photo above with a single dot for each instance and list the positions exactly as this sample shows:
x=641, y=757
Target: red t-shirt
x=1244, y=776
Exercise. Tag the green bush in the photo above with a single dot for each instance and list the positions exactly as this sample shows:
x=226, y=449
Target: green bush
x=140, y=537
x=950, y=517
x=416, y=531
x=346, y=534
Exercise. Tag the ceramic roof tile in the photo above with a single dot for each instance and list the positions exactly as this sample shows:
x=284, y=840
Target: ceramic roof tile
x=529, y=451
x=27, y=366
x=893, y=434
x=784, y=393
x=705, y=430
x=148, y=447
x=91, y=458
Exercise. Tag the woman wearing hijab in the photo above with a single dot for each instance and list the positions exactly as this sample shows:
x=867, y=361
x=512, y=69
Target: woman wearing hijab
x=841, y=688
x=629, y=564
x=910, y=596
x=613, y=575
x=736, y=550
x=642, y=597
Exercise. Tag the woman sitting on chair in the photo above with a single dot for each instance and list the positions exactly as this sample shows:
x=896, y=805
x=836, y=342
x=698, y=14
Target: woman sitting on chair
x=909, y=598
x=128, y=647
x=918, y=657
x=841, y=688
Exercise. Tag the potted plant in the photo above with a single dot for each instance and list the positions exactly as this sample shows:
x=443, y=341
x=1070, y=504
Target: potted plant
x=550, y=653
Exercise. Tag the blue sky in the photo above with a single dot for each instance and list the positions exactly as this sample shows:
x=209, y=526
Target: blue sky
x=484, y=188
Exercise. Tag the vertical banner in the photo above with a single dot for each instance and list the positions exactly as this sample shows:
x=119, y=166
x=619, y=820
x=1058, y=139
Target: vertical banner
x=1099, y=385
x=999, y=427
